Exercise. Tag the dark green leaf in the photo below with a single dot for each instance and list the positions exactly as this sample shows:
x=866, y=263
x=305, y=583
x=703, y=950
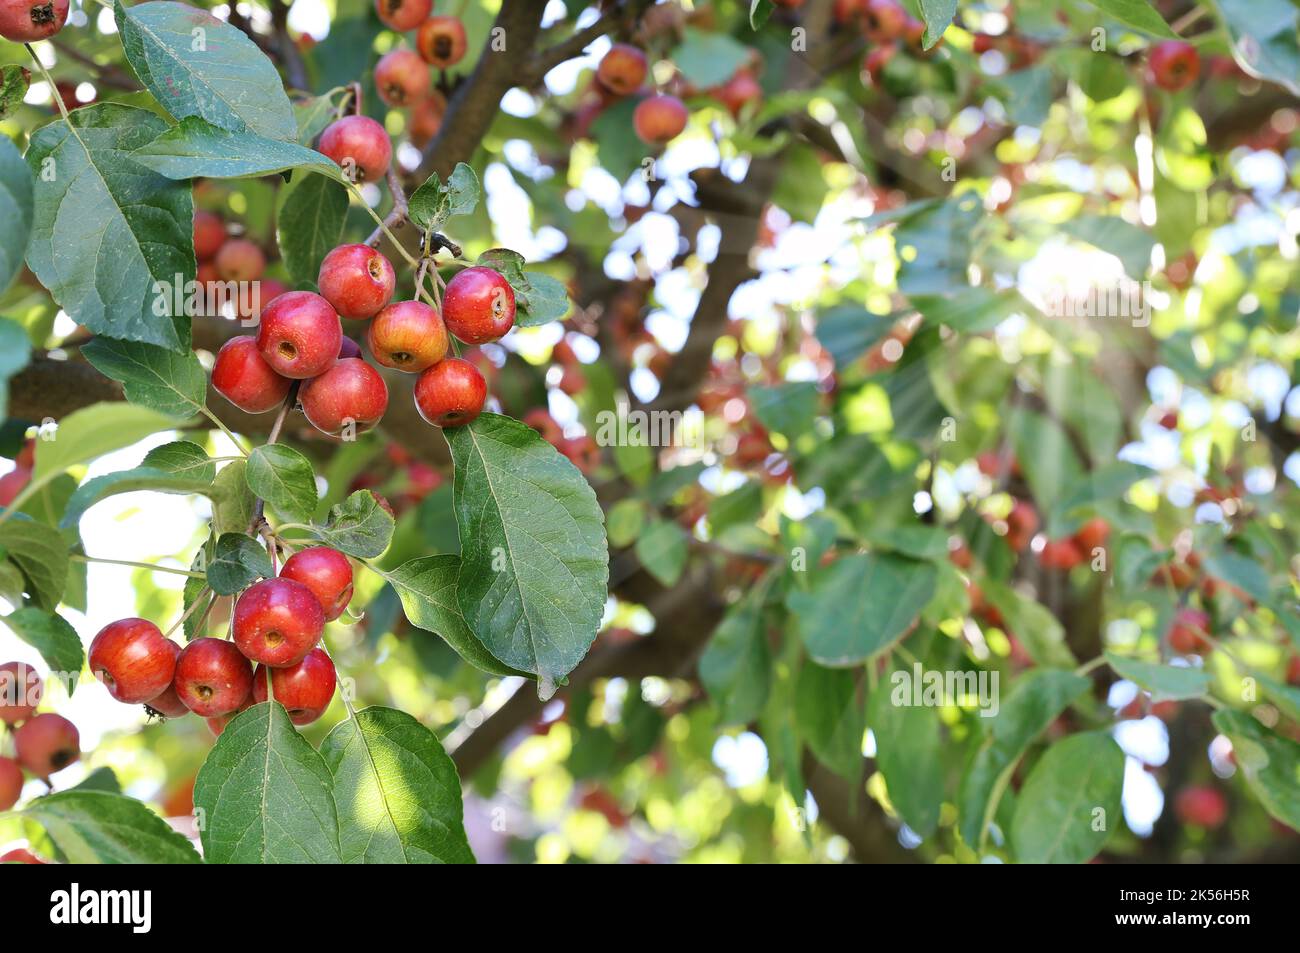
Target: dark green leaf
x=1269, y=762
x=1138, y=14
x=51, y=635
x=42, y=555
x=908, y=744
x=14, y=82
x=284, y=478
x=736, y=666
x=432, y=204
x=788, y=409
x=830, y=715
x=233, y=513
x=358, y=526
x=194, y=148
x=1129, y=243
x=309, y=222
x=101, y=827
x=154, y=377
x=1070, y=804
x=15, y=197
x=1264, y=40
x=707, y=58
x=237, y=563
x=662, y=550
x=937, y=15
x=182, y=458
x=848, y=330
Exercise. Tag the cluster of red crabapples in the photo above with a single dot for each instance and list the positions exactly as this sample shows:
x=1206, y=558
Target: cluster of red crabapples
x=43, y=742
x=277, y=625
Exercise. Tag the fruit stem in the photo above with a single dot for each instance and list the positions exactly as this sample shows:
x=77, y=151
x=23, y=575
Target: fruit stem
x=380, y=222
x=226, y=430
x=79, y=558
x=397, y=215
x=1087, y=667
x=290, y=400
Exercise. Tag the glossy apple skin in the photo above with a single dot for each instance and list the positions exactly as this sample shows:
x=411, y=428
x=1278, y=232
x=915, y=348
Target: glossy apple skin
x=623, y=69
x=209, y=235
x=47, y=743
x=20, y=692
x=212, y=677
x=479, y=305
x=350, y=392
x=167, y=703
x=277, y=622
x=242, y=376
x=327, y=573
x=451, y=393
x=299, y=335
x=407, y=336
x=25, y=21
x=238, y=259
x=356, y=280
x=20, y=855
x=403, y=15
x=401, y=77
x=11, y=783
x=1174, y=64
x=659, y=119
x=363, y=141
x=441, y=41
x=133, y=659
x=305, y=689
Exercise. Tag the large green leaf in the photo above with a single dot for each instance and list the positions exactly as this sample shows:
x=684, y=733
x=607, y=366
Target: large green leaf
x=237, y=562
x=847, y=330
x=182, y=458
x=859, y=605
x=937, y=15
x=1031, y=705
x=1264, y=39
x=93, y=431
x=1139, y=14
x=42, y=555
x=736, y=666
x=197, y=65
x=1129, y=243
x=163, y=380
x=1070, y=803
x=788, y=409
x=234, y=511
x=358, y=526
x=309, y=222
x=267, y=795
x=106, y=230
x=398, y=793
x=1270, y=763
x=707, y=58
x=831, y=717
x=908, y=752
x=534, y=561
x=51, y=635
x=15, y=352
x=1162, y=681
x=284, y=478
x=15, y=210
x=195, y=148
x=131, y=481
x=101, y=827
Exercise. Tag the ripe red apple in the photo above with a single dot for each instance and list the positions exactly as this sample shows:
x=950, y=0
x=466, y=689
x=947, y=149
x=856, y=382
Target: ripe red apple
x=1060, y=554
x=451, y=393
x=1022, y=524
x=1092, y=534
x=212, y=677
x=133, y=659
x=305, y=689
x=1202, y=806
x=209, y=234
x=401, y=77
x=1187, y=633
x=875, y=62
x=408, y=336
x=300, y=335
x=242, y=376
x=426, y=118
x=238, y=259
x=479, y=305
x=349, y=393
x=359, y=145
x=11, y=783
x=25, y=21
x=441, y=41
x=357, y=280
x=20, y=692
x=277, y=622
x=403, y=15
x=327, y=573
x=659, y=119
x=167, y=703
x=541, y=420
x=47, y=743
x=623, y=69
x=1174, y=64
x=738, y=91
x=884, y=20
x=21, y=855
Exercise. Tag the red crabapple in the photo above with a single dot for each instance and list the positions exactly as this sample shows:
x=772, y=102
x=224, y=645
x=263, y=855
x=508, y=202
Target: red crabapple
x=212, y=677
x=133, y=659
x=305, y=689
x=738, y=91
x=277, y=622
x=1092, y=534
x=426, y=118
x=167, y=703
x=1187, y=633
x=11, y=783
x=1060, y=554
x=407, y=336
x=25, y=21
x=359, y=145
x=47, y=743
x=327, y=573
x=1174, y=64
x=356, y=280
x=478, y=305
x=238, y=259
x=441, y=41
x=884, y=20
x=350, y=392
x=401, y=77
x=451, y=393
x=209, y=234
x=1202, y=806
x=242, y=376
x=300, y=335
x=623, y=69
x=403, y=15
x=20, y=692
x=659, y=119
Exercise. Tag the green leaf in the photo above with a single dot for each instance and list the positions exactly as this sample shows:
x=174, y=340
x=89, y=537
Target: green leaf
x=194, y=148
x=908, y=753
x=15, y=350
x=1033, y=623
x=358, y=526
x=707, y=58
x=101, y=779
x=163, y=380
x=971, y=310
x=847, y=331
x=1263, y=34
x=1240, y=571
x=93, y=431
x=1046, y=455
x=267, y=795
x=107, y=234
x=131, y=481
x=1129, y=243
x=398, y=793
x=16, y=200
x=194, y=586
x=14, y=82
x=539, y=298
x=309, y=220
x=182, y=458
x=759, y=12
x=937, y=15
x=283, y=477
x=736, y=665
x=788, y=409
x=101, y=827
x=534, y=561
x=42, y=555
x=829, y=714
x=1106, y=483
x=624, y=522
x=313, y=115
x=427, y=588
x=1035, y=701
x=1270, y=763
x=934, y=246
x=1138, y=14
x=662, y=550
x=860, y=605
x=233, y=511
x=432, y=204
x=1070, y=803
x=237, y=563
x=227, y=80
x=1162, y=681
x=743, y=505
x=51, y=635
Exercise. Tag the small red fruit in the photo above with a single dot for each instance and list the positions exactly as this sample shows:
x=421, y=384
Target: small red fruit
x=327, y=573
x=1174, y=64
x=209, y=234
x=212, y=677
x=11, y=783
x=305, y=689
x=738, y=91
x=1187, y=634
x=242, y=376
x=238, y=259
x=884, y=20
x=351, y=393
x=357, y=280
x=451, y=393
x=47, y=743
x=441, y=41
x=359, y=145
x=25, y=21
x=1092, y=534
x=20, y=855
x=408, y=336
x=1060, y=554
x=277, y=622
x=623, y=69
x=426, y=118
x=659, y=119
x=167, y=704
x=403, y=15
x=300, y=335
x=846, y=11
x=1202, y=806
x=479, y=305
x=133, y=659
x=20, y=692
x=401, y=77
x=1022, y=524
x=875, y=62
